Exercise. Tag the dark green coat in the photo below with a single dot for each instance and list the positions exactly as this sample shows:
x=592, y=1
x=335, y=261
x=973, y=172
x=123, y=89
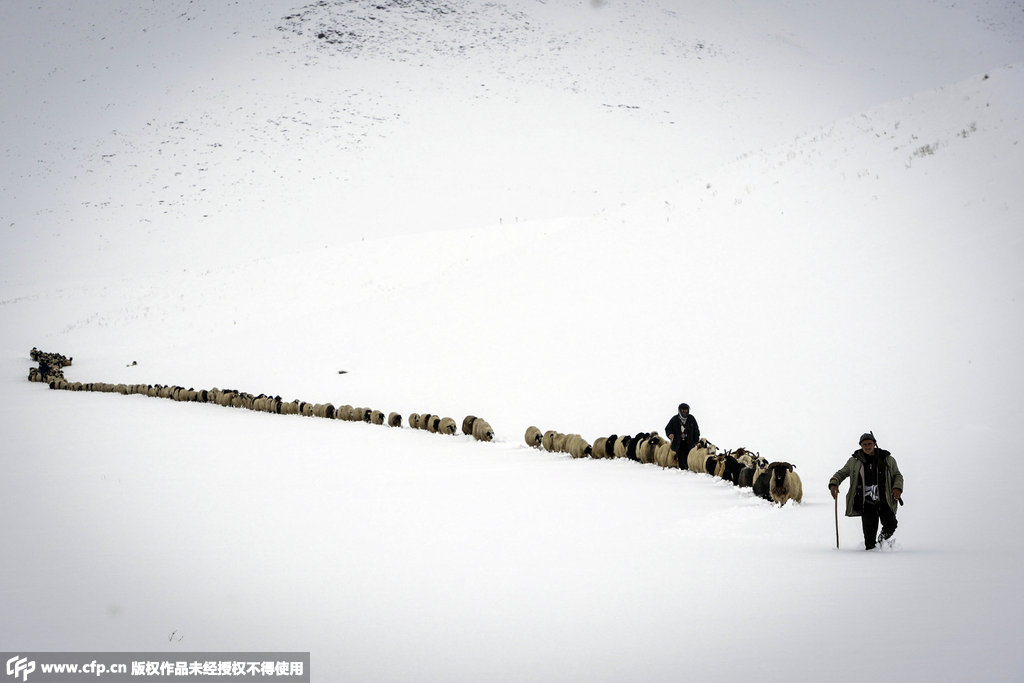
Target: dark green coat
x=891, y=478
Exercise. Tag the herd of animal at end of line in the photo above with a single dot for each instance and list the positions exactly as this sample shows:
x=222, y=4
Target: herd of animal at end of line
x=876, y=483
x=775, y=481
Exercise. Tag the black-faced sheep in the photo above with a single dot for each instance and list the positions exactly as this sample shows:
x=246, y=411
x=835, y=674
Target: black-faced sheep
x=394, y=420
x=376, y=417
x=576, y=446
x=640, y=445
x=190, y=395
x=762, y=483
x=548, y=440
x=359, y=414
x=724, y=466
x=323, y=410
x=784, y=483
x=653, y=444
x=482, y=431
x=646, y=446
x=613, y=445
x=749, y=471
x=696, y=459
x=602, y=447
x=533, y=437
x=467, y=425
x=634, y=442
x=446, y=425
x=621, y=446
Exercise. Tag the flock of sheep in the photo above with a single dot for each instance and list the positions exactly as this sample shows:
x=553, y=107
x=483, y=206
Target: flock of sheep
x=775, y=481
x=51, y=371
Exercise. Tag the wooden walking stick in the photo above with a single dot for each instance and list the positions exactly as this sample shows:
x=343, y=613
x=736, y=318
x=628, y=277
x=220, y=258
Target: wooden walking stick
x=836, y=500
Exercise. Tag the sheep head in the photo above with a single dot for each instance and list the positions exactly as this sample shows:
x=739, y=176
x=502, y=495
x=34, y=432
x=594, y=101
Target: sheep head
x=779, y=470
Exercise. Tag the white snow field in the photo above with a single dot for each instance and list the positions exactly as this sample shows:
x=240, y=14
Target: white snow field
x=804, y=218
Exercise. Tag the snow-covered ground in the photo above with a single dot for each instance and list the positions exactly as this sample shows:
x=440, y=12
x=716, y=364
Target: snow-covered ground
x=804, y=220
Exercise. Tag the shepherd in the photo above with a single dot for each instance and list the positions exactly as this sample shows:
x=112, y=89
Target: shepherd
x=876, y=486
x=682, y=429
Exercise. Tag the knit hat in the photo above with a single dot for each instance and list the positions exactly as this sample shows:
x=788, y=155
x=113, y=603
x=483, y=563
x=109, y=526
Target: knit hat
x=867, y=436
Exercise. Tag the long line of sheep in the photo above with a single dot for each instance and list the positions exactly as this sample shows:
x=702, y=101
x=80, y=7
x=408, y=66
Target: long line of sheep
x=774, y=481
x=51, y=365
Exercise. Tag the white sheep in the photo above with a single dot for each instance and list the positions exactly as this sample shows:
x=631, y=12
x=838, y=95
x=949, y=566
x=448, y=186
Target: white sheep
x=746, y=458
x=576, y=446
x=558, y=442
x=665, y=456
x=323, y=410
x=699, y=454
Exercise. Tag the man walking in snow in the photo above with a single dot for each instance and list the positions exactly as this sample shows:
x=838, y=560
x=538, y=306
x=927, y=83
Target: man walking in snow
x=876, y=485
x=682, y=429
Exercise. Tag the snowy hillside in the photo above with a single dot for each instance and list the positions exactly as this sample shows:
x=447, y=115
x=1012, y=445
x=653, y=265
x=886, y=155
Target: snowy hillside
x=804, y=221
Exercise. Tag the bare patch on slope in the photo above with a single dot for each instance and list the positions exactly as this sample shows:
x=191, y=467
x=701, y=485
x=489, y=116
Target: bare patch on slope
x=405, y=30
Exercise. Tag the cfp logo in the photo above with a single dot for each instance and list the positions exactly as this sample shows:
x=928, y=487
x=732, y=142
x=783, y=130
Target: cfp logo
x=20, y=666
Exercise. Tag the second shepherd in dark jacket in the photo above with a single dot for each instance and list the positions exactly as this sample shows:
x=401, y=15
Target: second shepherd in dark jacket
x=682, y=429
